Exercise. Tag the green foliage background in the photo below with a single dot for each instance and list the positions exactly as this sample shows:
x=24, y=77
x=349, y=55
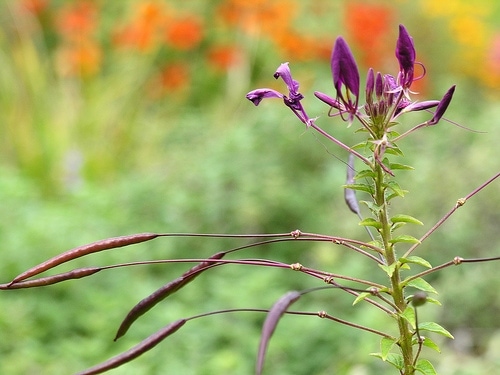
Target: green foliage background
x=223, y=166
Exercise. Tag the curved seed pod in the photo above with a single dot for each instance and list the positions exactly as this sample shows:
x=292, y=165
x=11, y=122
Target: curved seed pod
x=350, y=194
x=160, y=294
x=274, y=315
x=135, y=351
x=77, y=252
x=49, y=280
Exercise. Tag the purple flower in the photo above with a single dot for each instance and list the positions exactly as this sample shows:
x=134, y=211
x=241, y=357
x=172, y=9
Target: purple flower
x=405, y=53
x=256, y=96
x=442, y=106
x=370, y=86
x=292, y=100
x=345, y=76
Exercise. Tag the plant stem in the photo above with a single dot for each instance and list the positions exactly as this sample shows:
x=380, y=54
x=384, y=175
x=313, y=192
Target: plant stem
x=405, y=340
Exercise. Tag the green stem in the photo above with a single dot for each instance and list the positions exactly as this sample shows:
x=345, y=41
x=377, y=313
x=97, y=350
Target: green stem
x=405, y=341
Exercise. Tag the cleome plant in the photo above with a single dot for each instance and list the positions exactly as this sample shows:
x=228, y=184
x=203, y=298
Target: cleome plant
x=388, y=248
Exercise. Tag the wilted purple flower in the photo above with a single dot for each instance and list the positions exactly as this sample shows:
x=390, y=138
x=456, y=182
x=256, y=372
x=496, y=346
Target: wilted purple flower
x=405, y=53
x=345, y=75
x=292, y=100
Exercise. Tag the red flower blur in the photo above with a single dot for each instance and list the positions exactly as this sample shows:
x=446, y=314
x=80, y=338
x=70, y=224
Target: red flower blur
x=368, y=27
x=184, y=33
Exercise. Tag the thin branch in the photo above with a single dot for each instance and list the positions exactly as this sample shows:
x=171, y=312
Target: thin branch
x=460, y=202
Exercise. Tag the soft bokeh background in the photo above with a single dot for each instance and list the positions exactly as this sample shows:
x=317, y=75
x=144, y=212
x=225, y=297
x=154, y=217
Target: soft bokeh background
x=119, y=117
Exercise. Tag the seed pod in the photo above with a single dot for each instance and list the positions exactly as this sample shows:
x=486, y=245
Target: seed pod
x=54, y=279
x=160, y=294
x=137, y=350
x=77, y=252
x=350, y=194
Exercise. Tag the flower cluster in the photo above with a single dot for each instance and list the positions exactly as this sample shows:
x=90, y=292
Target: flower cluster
x=387, y=96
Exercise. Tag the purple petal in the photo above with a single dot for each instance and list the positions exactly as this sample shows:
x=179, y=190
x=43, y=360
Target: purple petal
x=420, y=106
x=379, y=85
x=344, y=68
x=442, y=106
x=284, y=72
x=405, y=53
x=370, y=85
x=256, y=96
x=328, y=100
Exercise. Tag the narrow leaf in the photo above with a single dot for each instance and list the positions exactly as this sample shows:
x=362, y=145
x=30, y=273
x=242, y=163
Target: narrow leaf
x=361, y=297
x=409, y=316
x=405, y=219
x=421, y=284
x=396, y=360
x=77, y=252
x=425, y=367
x=431, y=344
x=434, y=301
x=389, y=270
x=394, y=186
x=434, y=327
x=135, y=351
x=160, y=294
x=393, y=358
x=361, y=187
x=373, y=207
x=404, y=238
x=272, y=318
x=386, y=344
x=401, y=166
x=366, y=173
x=370, y=222
x=394, y=150
x=416, y=260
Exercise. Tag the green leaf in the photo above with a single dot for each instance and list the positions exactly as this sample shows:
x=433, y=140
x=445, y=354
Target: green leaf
x=434, y=301
x=394, y=186
x=409, y=316
x=393, y=358
x=394, y=151
x=393, y=134
x=416, y=260
x=389, y=270
x=404, y=238
x=395, y=166
x=361, y=297
x=366, y=173
x=370, y=222
x=396, y=226
x=425, y=367
x=361, y=187
x=431, y=344
x=405, y=219
x=434, y=327
x=360, y=145
x=386, y=344
x=372, y=206
x=376, y=243
x=421, y=284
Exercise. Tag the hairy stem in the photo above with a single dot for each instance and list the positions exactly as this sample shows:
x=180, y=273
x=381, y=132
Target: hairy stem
x=405, y=340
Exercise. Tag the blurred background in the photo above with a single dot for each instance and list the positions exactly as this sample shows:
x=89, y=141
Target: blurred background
x=120, y=117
